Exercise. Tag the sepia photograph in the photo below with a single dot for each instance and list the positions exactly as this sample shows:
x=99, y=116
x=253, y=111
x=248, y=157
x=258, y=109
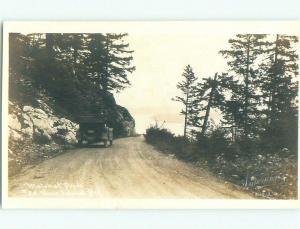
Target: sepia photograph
x=150, y=114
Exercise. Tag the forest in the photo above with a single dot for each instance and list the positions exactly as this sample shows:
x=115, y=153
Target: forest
x=257, y=99
x=77, y=72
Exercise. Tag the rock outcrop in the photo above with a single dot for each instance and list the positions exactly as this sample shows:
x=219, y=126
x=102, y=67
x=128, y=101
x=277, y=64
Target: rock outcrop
x=125, y=121
x=40, y=124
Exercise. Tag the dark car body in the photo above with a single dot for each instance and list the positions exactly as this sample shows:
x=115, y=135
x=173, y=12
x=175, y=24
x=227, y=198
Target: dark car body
x=94, y=132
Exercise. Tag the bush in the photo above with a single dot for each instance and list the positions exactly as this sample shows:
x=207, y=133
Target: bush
x=283, y=133
x=166, y=141
x=214, y=144
x=156, y=134
x=207, y=147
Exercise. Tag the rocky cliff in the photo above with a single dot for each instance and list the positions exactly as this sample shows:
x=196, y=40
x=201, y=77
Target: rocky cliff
x=40, y=124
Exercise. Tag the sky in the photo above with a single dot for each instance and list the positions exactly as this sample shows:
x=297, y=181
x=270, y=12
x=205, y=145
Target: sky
x=160, y=59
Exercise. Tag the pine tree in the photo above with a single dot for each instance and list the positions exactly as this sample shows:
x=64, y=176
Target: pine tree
x=71, y=49
x=242, y=58
x=278, y=79
x=279, y=86
x=195, y=106
x=212, y=91
x=109, y=61
x=210, y=94
x=70, y=68
x=18, y=66
x=187, y=88
x=18, y=51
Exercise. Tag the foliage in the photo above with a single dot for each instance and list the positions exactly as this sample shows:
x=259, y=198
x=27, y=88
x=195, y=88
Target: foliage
x=279, y=86
x=271, y=176
x=187, y=88
x=257, y=97
x=109, y=61
x=72, y=69
x=266, y=175
x=259, y=127
x=242, y=57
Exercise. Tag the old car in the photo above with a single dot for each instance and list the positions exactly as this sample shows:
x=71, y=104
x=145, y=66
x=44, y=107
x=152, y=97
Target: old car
x=93, y=133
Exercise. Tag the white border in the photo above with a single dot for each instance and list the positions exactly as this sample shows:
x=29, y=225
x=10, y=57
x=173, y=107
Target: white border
x=223, y=27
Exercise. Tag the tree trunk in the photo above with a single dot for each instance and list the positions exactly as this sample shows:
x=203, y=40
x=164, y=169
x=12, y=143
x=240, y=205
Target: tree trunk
x=105, y=77
x=186, y=113
x=49, y=44
x=246, y=91
x=273, y=75
x=204, y=126
x=74, y=65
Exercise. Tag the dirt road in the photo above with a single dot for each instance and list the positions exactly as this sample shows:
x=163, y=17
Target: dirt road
x=129, y=169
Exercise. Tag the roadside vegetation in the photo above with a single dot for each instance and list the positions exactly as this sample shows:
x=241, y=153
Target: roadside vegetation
x=254, y=144
x=271, y=175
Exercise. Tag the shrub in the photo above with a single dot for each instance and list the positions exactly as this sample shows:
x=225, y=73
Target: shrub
x=214, y=144
x=157, y=134
x=166, y=141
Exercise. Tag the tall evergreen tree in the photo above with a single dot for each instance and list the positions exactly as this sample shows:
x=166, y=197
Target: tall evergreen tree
x=210, y=94
x=279, y=77
x=71, y=49
x=279, y=86
x=242, y=58
x=109, y=61
x=187, y=88
x=18, y=65
x=18, y=51
x=212, y=85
